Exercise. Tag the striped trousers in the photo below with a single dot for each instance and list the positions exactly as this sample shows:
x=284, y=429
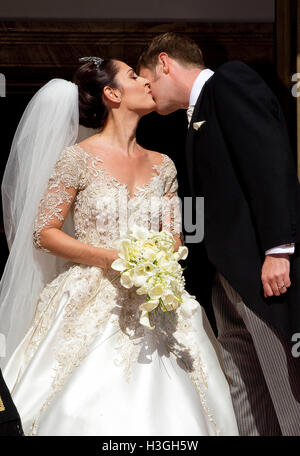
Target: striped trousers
x=255, y=364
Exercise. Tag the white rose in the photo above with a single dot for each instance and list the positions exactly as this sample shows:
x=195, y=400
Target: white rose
x=149, y=253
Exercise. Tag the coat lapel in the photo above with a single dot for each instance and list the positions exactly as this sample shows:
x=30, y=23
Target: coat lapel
x=189, y=150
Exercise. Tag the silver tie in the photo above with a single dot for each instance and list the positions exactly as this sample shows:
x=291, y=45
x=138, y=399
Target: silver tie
x=189, y=113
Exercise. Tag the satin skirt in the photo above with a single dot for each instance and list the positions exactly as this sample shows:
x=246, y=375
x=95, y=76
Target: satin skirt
x=114, y=384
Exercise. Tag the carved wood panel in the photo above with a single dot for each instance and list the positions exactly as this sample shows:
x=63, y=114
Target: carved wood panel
x=33, y=52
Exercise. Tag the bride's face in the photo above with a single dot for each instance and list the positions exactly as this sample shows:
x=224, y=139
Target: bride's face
x=135, y=91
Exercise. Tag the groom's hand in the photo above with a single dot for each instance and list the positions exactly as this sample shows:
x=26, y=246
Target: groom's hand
x=275, y=274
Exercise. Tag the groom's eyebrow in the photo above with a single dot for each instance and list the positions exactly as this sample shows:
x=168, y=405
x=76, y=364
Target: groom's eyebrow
x=131, y=69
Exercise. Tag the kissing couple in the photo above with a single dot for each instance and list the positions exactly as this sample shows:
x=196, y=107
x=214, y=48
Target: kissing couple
x=78, y=361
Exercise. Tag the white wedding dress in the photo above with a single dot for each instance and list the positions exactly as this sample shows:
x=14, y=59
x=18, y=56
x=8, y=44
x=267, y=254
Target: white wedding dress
x=87, y=366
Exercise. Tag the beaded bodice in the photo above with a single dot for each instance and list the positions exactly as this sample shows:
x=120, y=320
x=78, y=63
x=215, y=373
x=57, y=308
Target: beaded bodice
x=103, y=207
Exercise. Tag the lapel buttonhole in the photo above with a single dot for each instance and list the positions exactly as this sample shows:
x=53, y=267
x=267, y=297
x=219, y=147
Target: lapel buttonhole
x=197, y=125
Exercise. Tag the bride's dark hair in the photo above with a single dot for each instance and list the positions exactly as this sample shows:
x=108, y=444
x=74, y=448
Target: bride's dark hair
x=91, y=80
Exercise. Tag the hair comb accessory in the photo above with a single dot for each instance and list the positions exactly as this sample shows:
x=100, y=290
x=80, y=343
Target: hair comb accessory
x=96, y=60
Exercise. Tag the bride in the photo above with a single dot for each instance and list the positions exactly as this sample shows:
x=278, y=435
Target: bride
x=78, y=360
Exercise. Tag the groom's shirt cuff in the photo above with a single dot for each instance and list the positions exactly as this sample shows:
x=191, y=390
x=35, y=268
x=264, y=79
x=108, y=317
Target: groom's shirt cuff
x=284, y=248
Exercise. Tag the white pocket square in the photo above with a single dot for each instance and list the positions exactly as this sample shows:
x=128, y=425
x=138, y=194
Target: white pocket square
x=197, y=125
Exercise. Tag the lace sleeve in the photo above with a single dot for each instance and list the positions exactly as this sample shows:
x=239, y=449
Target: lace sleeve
x=59, y=195
x=171, y=211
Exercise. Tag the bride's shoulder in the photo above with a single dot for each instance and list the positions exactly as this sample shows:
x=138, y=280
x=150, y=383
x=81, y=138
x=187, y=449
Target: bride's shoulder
x=159, y=158
x=81, y=152
x=79, y=148
x=73, y=159
x=68, y=154
x=154, y=157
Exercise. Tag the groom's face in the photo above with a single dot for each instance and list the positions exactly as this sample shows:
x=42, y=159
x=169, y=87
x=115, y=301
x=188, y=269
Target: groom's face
x=162, y=90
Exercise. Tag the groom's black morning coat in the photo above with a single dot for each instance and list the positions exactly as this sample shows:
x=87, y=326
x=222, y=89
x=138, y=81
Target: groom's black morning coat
x=241, y=162
x=10, y=424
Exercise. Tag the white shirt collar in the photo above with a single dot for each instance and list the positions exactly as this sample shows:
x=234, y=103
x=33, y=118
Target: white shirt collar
x=201, y=79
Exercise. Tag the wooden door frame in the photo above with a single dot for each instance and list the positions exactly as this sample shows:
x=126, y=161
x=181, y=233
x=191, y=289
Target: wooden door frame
x=298, y=99
x=287, y=58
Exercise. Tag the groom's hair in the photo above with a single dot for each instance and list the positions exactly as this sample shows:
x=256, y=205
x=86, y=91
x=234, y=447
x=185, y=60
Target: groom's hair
x=178, y=47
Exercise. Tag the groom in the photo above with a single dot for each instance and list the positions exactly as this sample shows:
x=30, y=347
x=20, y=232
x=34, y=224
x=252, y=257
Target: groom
x=239, y=160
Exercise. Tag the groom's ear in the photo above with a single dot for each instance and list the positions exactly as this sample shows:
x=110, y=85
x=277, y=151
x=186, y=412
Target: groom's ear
x=163, y=62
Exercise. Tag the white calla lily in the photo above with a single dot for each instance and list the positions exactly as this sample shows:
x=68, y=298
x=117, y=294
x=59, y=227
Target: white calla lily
x=149, y=305
x=127, y=279
x=156, y=291
x=144, y=320
x=170, y=302
x=173, y=267
x=142, y=272
x=140, y=280
x=124, y=249
x=182, y=253
x=142, y=290
x=139, y=232
x=164, y=259
x=119, y=265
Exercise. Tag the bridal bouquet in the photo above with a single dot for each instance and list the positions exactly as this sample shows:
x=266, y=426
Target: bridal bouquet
x=147, y=261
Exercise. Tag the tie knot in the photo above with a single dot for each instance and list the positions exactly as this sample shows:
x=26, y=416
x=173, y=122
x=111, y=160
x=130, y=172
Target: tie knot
x=189, y=113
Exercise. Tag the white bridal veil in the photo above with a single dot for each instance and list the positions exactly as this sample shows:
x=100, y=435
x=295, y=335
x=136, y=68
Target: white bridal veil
x=49, y=124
